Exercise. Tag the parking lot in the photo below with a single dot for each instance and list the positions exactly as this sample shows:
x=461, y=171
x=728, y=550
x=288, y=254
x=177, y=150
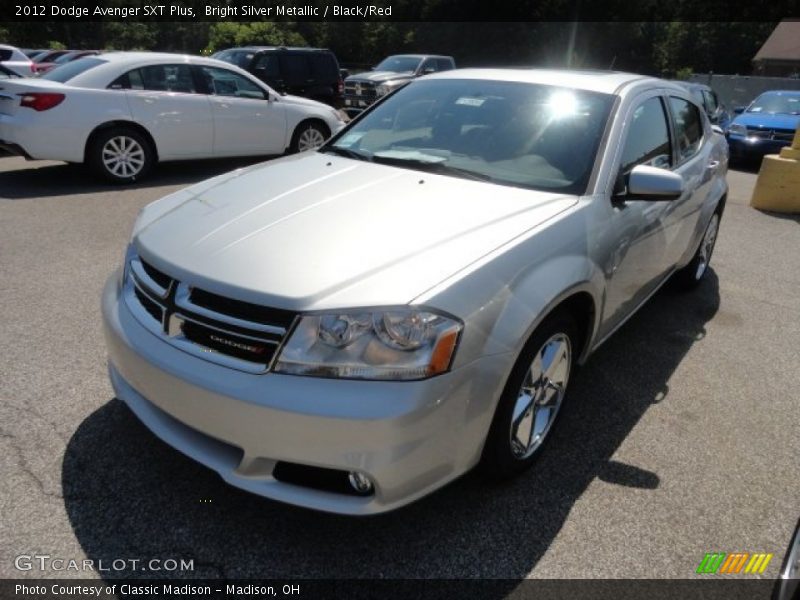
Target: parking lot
x=681, y=436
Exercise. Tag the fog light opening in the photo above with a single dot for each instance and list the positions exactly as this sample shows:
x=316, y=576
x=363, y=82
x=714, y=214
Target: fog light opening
x=360, y=482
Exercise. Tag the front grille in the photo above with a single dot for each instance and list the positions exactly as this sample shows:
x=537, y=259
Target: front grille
x=216, y=328
x=361, y=89
x=160, y=278
x=149, y=305
x=242, y=310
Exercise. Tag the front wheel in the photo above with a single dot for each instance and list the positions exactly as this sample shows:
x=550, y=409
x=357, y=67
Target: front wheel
x=690, y=276
x=308, y=136
x=532, y=399
x=121, y=155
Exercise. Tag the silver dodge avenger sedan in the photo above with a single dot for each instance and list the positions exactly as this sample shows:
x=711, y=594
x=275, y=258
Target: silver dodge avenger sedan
x=351, y=328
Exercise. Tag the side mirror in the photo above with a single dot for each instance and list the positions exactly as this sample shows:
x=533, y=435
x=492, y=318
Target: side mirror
x=344, y=73
x=739, y=110
x=717, y=129
x=652, y=183
x=428, y=70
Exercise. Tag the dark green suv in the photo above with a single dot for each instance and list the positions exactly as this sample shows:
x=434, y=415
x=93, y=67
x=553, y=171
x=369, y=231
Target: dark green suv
x=310, y=72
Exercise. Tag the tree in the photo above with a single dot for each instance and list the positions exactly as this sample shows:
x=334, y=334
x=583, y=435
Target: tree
x=227, y=34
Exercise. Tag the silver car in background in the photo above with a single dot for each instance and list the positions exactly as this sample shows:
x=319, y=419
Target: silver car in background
x=350, y=329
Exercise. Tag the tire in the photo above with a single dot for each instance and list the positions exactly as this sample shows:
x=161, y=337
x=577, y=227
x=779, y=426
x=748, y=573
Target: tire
x=308, y=136
x=120, y=155
x=692, y=275
x=513, y=444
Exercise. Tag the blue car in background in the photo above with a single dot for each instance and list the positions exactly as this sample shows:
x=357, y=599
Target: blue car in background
x=764, y=127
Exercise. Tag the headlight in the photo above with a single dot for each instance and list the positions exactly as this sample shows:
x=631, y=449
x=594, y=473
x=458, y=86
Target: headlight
x=339, y=115
x=737, y=129
x=391, y=344
x=383, y=89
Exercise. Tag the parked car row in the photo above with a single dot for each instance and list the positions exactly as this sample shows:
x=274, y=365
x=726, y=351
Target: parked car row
x=315, y=73
x=120, y=113
x=251, y=101
x=763, y=127
x=27, y=63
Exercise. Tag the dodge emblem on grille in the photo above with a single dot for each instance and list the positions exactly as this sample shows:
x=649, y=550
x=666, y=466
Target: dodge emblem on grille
x=239, y=345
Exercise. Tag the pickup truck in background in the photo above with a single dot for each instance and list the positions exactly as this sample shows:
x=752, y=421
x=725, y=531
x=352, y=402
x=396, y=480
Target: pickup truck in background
x=395, y=71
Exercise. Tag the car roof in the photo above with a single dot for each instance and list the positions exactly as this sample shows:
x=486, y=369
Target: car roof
x=692, y=85
x=114, y=63
x=607, y=82
x=137, y=57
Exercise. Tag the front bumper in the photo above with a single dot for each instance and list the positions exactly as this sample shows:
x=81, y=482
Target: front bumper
x=753, y=147
x=409, y=438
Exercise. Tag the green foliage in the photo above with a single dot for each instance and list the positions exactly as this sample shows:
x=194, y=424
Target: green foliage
x=658, y=48
x=56, y=45
x=226, y=34
x=129, y=36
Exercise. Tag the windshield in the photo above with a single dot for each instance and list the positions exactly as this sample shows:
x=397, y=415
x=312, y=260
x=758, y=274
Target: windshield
x=787, y=104
x=526, y=135
x=64, y=58
x=72, y=69
x=399, y=64
x=240, y=58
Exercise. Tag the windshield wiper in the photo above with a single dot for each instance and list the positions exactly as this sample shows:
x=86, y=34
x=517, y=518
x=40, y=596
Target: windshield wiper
x=431, y=167
x=345, y=152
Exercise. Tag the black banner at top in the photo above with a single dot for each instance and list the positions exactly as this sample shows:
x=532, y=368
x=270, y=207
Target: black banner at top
x=395, y=10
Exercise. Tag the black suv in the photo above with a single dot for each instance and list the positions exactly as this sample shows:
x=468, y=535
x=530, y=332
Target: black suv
x=309, y=72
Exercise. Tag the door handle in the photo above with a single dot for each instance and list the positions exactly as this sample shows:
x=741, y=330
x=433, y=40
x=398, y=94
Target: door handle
x=712, y=164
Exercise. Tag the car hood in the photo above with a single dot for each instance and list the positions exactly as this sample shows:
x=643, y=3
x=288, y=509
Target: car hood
x=300, y=101
x=317, y=231
x=380, y=76
x=767, y=120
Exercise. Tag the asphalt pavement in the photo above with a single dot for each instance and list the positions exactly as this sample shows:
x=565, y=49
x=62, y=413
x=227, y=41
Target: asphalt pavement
x=681, y=436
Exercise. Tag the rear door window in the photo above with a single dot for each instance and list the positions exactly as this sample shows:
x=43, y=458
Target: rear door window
x=711, y=101
x=5, y=54
x=688, y=127
x=168, y=78
x=266, y=66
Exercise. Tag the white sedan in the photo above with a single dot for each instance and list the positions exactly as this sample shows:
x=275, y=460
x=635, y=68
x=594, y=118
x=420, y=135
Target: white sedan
x=15, y=59
x=122, y=112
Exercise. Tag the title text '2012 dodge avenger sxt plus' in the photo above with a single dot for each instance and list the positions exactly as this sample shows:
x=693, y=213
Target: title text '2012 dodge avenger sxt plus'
x=349, y=329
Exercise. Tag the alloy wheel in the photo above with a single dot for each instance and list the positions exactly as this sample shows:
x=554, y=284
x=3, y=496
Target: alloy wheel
x=123, y=156
x=707, y=246
x=310, y=138
x=541, y=395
